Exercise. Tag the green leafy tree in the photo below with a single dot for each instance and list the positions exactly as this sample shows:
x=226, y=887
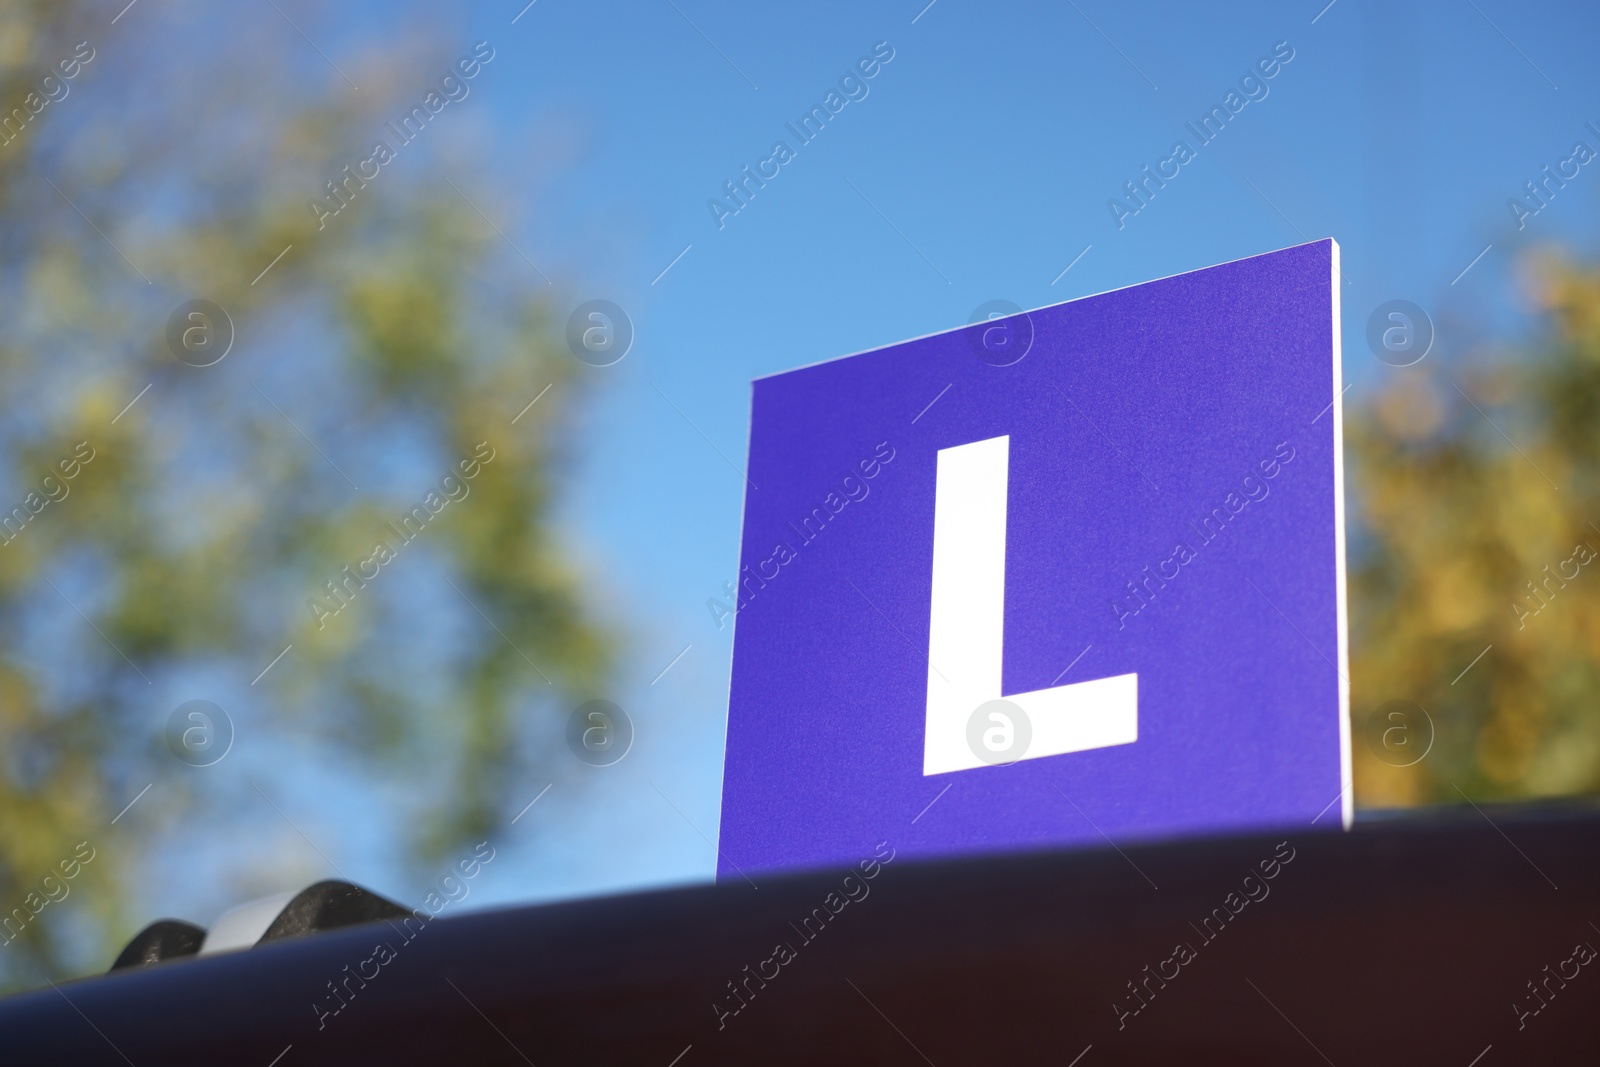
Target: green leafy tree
x=1479, y=488
x=380, y=348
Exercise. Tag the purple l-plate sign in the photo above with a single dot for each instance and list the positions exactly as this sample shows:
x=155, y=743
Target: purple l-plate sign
x=1056, y=578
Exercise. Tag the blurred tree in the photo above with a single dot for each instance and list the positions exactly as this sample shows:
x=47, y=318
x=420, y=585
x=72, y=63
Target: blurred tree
x=1480, y=500
x=178, y=161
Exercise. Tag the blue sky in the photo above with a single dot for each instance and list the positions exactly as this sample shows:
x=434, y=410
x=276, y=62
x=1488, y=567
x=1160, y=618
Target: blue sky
x=977, y=167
